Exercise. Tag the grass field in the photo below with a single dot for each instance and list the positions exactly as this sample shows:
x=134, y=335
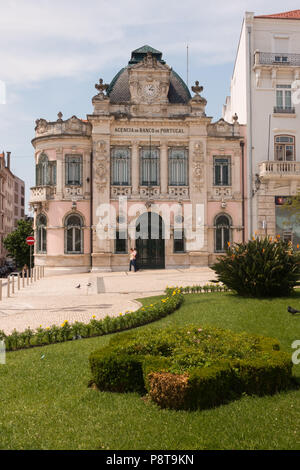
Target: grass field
x=45, y=402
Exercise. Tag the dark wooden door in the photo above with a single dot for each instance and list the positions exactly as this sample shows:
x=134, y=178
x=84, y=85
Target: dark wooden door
x=150, y=243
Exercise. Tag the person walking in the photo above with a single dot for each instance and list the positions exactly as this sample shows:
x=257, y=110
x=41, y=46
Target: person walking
x=132, y=259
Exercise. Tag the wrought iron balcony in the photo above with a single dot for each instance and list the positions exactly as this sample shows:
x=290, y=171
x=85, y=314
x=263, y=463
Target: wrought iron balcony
x=284, y=110
x=274, y=58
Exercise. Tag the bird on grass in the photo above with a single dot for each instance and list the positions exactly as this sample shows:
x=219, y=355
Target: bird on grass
x=292, y=310
x=77, y=287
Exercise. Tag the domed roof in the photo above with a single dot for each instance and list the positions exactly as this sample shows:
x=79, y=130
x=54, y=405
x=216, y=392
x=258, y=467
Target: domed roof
x=118, y=90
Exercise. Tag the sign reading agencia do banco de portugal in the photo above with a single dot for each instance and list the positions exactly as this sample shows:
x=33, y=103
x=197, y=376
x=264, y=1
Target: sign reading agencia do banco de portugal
x=149, y=130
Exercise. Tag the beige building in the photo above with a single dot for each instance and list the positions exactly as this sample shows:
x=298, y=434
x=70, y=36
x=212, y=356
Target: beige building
x=265, y=93
x=148, y=155
x=12, y=190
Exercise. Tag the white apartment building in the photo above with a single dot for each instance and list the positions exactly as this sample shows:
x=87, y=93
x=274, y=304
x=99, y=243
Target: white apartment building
x=265, y=94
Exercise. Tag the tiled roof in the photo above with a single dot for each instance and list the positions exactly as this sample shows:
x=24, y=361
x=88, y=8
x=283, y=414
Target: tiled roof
x=145, y=49
x=288, y=15
x=119, y=88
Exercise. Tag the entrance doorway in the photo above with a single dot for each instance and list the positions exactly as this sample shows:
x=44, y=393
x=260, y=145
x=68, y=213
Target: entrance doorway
x=150, y=243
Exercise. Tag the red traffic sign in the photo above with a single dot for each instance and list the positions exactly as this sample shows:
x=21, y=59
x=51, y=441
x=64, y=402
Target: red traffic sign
x=30, y=240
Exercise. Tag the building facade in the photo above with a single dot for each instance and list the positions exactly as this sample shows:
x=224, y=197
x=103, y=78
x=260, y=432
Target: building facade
x=265, y=92
x=12, y=203
x=147, y=168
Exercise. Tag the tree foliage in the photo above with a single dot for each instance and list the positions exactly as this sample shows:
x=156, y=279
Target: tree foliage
x=15, y=243
x=260, y=268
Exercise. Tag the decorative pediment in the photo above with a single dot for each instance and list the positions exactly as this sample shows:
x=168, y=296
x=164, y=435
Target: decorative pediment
x=150, y=62
x=223, y=128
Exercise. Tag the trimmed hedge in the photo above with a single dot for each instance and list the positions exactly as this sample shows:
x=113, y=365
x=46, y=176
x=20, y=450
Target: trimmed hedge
x=191, y=367
x=67, y=332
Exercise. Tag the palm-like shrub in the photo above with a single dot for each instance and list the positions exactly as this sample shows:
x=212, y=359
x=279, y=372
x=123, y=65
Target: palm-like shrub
x=259, y=268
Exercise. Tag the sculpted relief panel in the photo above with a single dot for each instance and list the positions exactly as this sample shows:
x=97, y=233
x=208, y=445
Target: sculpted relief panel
x=101, y=165
x=198, y=166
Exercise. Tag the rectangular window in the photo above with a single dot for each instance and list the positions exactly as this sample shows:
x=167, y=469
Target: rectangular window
x=73, y=170
x=283, y=98
x=178, y=172
x=222, y=173
x=120, y=166
x=179, y=241
x=121, y=241
x=149, y=167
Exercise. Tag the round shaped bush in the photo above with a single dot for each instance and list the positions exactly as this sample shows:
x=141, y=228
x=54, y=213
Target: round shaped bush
x=260, y=268
x=191, y=367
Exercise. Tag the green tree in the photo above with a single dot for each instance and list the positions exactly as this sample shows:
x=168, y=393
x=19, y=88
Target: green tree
x=15, y=243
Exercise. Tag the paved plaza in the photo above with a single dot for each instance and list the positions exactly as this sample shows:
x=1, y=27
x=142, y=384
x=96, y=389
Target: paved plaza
x=55, y=298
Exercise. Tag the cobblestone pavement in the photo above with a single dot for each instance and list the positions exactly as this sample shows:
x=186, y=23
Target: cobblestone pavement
x=55, y=298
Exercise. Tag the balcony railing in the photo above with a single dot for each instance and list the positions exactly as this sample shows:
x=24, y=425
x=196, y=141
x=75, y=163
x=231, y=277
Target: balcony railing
x=273, y=168
x=285, y=110
x=270, y=58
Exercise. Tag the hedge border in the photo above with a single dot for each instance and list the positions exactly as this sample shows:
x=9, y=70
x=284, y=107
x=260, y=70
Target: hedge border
x=78, y=330
x=198, y=387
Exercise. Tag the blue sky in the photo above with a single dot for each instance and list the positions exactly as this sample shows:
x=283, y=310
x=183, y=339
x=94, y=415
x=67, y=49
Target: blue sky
x=53, y=52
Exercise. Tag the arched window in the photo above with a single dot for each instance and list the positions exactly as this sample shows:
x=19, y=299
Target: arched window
x=284, y=148
x=45, y=171
x=41, y=233
x=73, y=234
x=222, y=232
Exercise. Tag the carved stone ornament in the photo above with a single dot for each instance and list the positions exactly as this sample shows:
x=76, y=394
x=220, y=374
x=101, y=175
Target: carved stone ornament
x=198, y=154
x=101, y=166
x=102, y=88
x=196, y=88
x=41, y=126
x=198, y=169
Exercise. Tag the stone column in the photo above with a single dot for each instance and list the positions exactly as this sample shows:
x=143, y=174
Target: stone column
x=135, y=168
x=164, y=168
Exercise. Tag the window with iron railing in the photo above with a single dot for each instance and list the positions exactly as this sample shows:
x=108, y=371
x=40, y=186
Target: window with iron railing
x=120, y=166
x=222, y=171
x=73, y=170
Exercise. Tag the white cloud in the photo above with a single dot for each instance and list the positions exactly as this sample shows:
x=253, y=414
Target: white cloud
x=64, y=38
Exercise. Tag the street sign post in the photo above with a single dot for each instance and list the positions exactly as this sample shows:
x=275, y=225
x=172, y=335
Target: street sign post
x=30, y=241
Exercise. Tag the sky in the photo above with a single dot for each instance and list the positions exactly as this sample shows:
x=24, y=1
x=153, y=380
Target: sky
x=53, y=52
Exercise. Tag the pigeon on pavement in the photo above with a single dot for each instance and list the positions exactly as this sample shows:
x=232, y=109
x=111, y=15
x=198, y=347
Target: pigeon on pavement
x=77, y=287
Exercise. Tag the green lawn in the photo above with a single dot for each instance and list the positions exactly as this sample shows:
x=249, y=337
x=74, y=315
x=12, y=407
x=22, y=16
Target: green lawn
x=45, y=402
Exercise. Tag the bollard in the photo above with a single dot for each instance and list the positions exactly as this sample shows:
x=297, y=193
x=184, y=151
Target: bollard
x=13, y=284
x=8, y=286
x=43, y=271
x=0, y=289
x=27, y=276
x=23, y=277
x=31, y=276
x=34, y=274
x=18, y=282
x=38, y=273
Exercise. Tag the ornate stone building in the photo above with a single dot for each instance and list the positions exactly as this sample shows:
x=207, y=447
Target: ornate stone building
x=149, y=154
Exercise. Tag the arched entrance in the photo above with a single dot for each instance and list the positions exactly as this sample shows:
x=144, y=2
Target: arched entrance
x=150, y=243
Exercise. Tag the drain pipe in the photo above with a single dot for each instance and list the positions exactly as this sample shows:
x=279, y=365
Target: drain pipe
x=250, y=135
x=91, y=210
x=242, y=144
